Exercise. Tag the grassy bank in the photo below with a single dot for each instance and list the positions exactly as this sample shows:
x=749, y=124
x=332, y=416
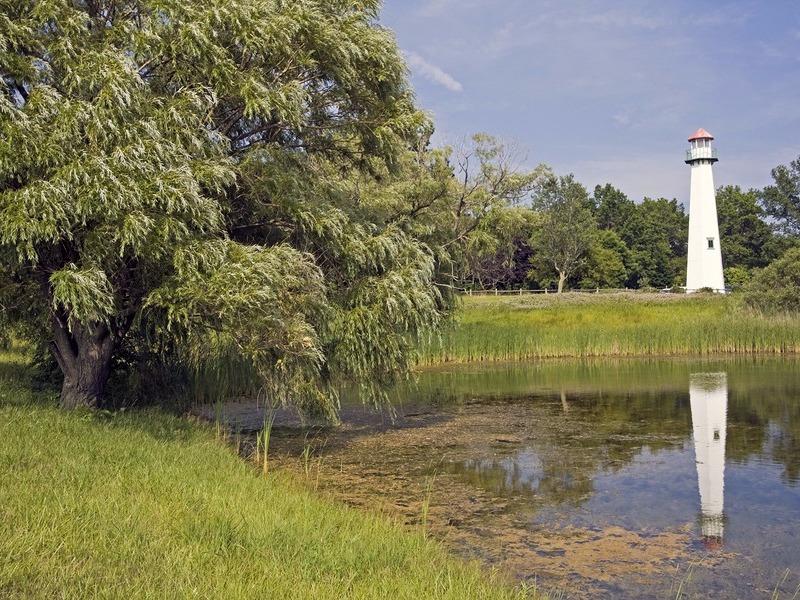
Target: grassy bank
x=581, y=325
x=150, y=505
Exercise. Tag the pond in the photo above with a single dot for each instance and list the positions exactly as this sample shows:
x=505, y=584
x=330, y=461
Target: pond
x=625, y=479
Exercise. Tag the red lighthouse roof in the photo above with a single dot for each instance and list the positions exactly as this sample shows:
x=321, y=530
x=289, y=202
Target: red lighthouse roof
x=701, y=134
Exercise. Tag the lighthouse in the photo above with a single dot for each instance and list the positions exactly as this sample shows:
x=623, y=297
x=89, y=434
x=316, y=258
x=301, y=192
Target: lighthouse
x=708, y=396
x=704, y=261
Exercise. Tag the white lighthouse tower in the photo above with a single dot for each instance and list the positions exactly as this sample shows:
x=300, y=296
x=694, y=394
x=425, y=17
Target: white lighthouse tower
x=708, y=395
x=704, y=261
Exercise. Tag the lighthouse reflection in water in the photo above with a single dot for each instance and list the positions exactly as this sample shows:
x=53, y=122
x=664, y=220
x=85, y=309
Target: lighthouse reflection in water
x=708, y=394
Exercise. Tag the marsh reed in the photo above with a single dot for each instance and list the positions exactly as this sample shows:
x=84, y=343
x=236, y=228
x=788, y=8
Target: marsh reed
x=589, y=325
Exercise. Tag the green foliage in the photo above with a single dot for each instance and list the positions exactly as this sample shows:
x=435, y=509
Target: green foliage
x=776, y=288
x=658, y=244
x=484, y=213
x=566, y=229
x=232, y=182
x=781, y=201
x=736, y=277
x=747, y=240
x=86, y=291
x=655, y=233
x=614, y=210
x=606, y=262
x=494, y=252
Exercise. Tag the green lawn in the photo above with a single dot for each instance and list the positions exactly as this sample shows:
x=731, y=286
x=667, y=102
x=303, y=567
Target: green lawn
x=622, y=324
x=146, y=504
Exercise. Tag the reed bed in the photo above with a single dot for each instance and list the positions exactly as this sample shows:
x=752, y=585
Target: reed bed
x=623, y=324
x=149, y=505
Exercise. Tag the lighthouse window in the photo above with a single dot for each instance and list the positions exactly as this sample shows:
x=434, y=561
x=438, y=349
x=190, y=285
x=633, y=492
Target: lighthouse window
x=710, y=243
x=716, y=434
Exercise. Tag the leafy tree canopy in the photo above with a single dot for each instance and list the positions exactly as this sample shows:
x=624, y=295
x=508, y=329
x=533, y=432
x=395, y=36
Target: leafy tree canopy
x=606, y=263
x=487, y=209
x=781, y=201
x=567, y=227
x=659, y=235
x=198, y=182
x=747, y=240
x=776, y=288
x=614, y=210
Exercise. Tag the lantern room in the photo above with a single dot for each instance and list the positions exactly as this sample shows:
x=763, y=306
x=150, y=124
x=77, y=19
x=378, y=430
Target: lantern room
x=700, y=148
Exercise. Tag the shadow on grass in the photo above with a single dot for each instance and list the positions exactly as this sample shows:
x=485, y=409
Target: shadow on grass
x=20, y=387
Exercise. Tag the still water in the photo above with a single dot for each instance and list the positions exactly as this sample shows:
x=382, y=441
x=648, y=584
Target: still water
x=626, y=479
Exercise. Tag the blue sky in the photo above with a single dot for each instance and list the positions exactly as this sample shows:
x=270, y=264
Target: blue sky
x=610, y=91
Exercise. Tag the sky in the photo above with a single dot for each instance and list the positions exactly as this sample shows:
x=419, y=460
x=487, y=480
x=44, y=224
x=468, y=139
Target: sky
x=610, y=91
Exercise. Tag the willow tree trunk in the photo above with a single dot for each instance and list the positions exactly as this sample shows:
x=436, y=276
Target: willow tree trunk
x=84, y=354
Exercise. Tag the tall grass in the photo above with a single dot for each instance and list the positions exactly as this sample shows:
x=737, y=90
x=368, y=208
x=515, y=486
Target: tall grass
x=145, y=504
x=584, y=325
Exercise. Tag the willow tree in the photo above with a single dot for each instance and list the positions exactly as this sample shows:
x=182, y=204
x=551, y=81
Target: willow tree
x=194, y=172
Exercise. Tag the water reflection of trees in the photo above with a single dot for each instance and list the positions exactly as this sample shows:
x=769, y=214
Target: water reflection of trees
x=616, y=410
x=768, y=423
x=578, y=436
x=763, y=420
x=566, y=482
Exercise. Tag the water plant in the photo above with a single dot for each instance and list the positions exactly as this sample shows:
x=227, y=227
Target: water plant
x=623, y=324
x=686, y=579
x=426, y=501
x=262, y=441
x=776, y=591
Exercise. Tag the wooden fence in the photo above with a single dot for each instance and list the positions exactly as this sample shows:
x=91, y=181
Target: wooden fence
x=527, y=292
x=679, y=290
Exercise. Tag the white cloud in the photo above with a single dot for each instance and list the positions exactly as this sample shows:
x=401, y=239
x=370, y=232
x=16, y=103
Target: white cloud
x=504, y=39
x=433, y=7
x=770, y=51
x=622, y=119
x=431, y=72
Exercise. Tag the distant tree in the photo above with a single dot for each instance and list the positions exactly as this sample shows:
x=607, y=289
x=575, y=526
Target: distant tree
x=776, y=288
x=746, y=238
x=737, y=278
x=481, y=214
x=659, y=234
x=614, y=211
x=606, y=262
x=566, y=229
x=781, y=201
x=503, y=261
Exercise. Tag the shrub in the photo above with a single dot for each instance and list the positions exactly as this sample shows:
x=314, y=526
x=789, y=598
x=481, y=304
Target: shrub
x=737, y=277
x=776, y=288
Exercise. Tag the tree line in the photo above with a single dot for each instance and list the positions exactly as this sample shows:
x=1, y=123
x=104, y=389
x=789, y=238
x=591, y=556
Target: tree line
x=242, y=198
x=563, y=236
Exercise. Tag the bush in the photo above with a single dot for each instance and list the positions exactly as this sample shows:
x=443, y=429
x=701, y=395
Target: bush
x=776, y=288
x=737, y=277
